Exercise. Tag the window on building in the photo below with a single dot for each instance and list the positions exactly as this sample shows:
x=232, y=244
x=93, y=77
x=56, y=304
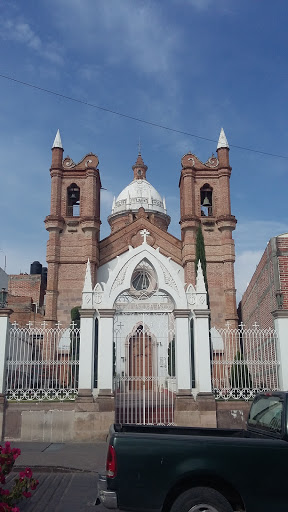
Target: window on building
x=73, y=201
x=143, y=281
x=206, y=201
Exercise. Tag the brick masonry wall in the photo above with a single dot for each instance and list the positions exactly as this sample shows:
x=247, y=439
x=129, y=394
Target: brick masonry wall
x=217, y=227
x=26, y=285
x=271, y=275
x=23, y=311
x=282, y=250
x=71, y=280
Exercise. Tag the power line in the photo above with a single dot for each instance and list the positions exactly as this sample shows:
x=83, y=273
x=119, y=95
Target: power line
x=132, y=118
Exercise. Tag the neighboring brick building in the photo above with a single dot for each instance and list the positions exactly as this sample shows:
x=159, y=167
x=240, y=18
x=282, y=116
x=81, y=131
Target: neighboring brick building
x=74, y=228
x=26, y=294
x=268, y=288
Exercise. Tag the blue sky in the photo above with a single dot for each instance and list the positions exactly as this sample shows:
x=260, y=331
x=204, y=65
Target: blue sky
x=192, y=65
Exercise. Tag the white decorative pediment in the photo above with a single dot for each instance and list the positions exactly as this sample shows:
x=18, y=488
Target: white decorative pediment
x=120, y=277
x=168, y=277
x=166, y=274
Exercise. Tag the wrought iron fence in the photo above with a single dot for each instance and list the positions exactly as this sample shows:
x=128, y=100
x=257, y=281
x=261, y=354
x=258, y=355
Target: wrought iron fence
x=43, y=363
x=244, y=362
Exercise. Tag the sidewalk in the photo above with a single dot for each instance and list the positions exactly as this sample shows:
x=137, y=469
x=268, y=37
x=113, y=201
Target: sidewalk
x=79, y=456
x=67, y=474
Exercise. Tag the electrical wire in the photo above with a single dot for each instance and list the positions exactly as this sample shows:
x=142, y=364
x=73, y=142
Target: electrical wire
x=133, y=118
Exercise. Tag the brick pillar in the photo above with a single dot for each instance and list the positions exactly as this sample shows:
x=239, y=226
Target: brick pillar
x=189, y=221
x=226, y=225
x=56, y=185
x=54, y=224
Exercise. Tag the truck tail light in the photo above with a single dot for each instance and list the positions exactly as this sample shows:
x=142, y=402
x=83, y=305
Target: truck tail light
x=111, y=467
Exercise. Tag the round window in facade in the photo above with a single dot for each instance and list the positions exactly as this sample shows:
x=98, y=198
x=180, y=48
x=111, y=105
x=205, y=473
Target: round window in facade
x=143, y=281
x=140, y=280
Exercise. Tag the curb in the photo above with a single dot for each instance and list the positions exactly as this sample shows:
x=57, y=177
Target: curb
x=53, y=469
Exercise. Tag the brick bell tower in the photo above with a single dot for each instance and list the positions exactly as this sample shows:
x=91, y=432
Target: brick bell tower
x=73, y=226
x=205, y=201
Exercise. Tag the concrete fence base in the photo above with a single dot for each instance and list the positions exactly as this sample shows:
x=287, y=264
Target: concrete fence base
x=90, y=421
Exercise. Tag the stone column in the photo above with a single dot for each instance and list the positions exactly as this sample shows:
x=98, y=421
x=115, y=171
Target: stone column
x=183, y=353
x=4, y=341
x=185, y=412
x=281, y=326
x=105, y=351
x=105, y=361
x=205, y=398
x=86, y=355
x=202, y=351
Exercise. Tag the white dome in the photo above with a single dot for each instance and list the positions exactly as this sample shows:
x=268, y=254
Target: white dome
x=139, y=193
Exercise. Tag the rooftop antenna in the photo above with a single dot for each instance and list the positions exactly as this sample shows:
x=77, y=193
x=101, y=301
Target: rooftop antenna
x=139, y=146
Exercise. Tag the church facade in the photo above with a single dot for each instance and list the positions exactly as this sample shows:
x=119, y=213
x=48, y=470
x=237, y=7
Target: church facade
x=74, y=228
x=144, y=305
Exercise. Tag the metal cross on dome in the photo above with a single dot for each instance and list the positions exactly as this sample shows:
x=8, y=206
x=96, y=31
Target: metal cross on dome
x=144, y=233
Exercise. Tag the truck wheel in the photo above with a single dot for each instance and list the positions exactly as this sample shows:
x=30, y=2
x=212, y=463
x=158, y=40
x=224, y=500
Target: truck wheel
x=201, y=499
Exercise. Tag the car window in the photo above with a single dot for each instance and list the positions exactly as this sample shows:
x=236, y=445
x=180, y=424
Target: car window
x=266, y=413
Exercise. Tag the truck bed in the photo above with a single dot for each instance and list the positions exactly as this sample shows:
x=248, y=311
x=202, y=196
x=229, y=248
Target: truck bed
x=186, y=431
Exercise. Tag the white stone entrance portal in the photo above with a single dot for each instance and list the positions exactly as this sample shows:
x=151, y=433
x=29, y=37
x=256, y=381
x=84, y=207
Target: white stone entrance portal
x=145, y=350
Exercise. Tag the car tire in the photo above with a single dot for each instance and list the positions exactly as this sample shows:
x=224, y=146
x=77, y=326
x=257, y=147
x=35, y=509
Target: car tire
x=201, y=499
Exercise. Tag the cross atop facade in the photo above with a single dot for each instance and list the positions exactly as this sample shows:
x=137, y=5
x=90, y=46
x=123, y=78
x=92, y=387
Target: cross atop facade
x=139, y=146
x=144, y=233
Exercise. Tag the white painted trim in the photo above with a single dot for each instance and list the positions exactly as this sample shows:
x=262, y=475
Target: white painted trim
x=132, y=258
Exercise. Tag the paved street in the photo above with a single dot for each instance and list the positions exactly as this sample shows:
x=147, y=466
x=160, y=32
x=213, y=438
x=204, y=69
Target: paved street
x=62, y=492
x=67, y=475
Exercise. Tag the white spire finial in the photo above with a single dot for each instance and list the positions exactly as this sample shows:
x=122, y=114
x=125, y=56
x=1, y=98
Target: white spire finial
x=88, y=279
x=200, y=283
x=222, y=142
x=57, y=141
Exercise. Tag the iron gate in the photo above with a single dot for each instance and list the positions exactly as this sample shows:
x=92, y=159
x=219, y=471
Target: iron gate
x=144, y=367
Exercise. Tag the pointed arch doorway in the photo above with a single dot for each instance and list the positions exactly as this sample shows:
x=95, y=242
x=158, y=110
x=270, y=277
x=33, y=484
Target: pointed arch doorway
x=141, y=359
x=144, y=367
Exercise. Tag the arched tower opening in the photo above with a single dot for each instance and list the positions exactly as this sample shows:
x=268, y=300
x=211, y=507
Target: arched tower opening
x=73, y=200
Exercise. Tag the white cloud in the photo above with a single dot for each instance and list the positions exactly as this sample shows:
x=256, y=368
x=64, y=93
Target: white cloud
x=129, y=32
x=21, y=32
x=201, y=5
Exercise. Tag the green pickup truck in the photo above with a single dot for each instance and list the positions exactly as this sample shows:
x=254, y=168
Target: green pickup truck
x=179, y=469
